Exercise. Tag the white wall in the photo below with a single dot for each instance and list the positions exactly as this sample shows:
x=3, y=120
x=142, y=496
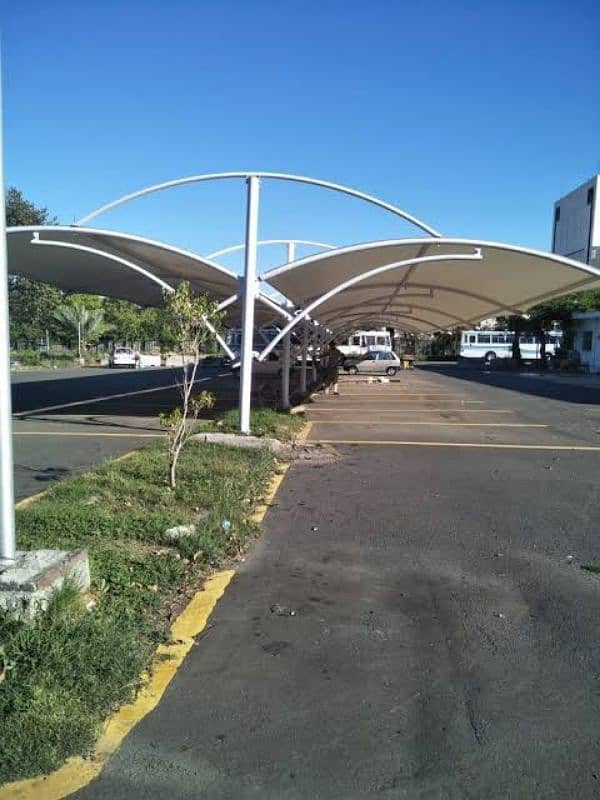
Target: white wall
x=588, y=323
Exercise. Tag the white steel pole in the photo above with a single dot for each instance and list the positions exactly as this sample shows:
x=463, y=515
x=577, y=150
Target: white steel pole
x=315, y=340
x=249, y=288
x=7, y=499
x=286, y=344
x=304, y=354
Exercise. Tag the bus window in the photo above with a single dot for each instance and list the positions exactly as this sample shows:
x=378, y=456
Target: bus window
x=370, y=341
x=472, y=339
x=510, y=338
x=382, y=340
x=483, y=338
x=497, y=338
x=355, y=341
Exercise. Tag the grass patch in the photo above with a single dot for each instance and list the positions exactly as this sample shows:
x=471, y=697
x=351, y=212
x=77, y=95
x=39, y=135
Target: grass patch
x=265, y=422
x=595, y=568
x=63, y=673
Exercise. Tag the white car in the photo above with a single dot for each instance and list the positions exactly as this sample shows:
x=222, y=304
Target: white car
x=375, y=362
x=123, y=357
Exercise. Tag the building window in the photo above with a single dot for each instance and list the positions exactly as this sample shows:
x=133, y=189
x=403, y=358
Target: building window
x=557, y=214
x=590, y=196
x=586, y=340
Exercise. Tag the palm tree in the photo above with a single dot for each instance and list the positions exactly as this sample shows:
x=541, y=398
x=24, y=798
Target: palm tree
x=88, y=324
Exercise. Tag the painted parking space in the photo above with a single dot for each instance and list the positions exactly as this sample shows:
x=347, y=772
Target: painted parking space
x=415, y=409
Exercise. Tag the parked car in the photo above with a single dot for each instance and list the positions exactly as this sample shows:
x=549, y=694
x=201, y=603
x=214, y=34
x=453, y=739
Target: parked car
x=377, y=362
x=122, y=357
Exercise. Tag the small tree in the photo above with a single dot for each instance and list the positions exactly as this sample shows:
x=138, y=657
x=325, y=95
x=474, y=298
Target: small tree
x=86, y=324
x=185, y=316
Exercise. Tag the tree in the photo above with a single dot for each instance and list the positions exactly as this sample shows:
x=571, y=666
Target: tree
x=31, y=308
x=184, y=317
x=87, y=325
x=31, y=303
x=131, y=323
x=22, y=212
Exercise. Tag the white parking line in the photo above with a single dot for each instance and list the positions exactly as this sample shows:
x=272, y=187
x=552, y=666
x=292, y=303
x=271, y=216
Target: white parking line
x=75, y=403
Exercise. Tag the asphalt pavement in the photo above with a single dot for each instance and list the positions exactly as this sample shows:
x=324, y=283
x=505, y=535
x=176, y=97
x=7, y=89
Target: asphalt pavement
x=66, y=421
x=444, y=638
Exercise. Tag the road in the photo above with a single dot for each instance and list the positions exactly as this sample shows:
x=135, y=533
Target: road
x=444, y=644
x=69, y=420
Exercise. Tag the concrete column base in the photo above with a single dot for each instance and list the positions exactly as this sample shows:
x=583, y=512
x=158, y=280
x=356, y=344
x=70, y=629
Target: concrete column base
x=27, y=585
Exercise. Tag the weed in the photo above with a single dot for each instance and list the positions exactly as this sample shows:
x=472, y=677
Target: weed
x=65, y=671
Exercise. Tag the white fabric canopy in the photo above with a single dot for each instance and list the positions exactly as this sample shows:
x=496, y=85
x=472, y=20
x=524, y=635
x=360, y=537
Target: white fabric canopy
x=84, y=263
x=428, y=296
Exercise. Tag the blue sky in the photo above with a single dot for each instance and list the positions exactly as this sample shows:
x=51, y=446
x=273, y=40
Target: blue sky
x=473, y=116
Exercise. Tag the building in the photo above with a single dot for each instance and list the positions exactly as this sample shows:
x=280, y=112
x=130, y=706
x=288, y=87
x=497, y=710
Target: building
x=586, y=338
x=576, y=228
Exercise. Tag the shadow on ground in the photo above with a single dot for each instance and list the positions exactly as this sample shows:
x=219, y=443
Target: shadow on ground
x=539, y=384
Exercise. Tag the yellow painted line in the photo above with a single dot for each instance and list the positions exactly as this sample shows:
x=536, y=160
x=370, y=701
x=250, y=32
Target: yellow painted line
x=26, y=501
x=431, y=423
x=413, y=398
x=259, y=514
x=88, y=433
x=78, y=772
x=401, y=394
x=303, y=435
x=584, y=448
x=404, y=410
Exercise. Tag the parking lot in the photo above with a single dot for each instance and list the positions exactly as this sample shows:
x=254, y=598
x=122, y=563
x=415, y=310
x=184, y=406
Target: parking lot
x=443, y=641
x=426, y=408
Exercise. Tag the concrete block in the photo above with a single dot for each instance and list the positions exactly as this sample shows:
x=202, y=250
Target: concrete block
x=245, y=442
x=27, y=585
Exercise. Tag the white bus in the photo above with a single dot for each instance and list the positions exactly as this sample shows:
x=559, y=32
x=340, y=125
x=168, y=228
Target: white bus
x=362, y=342
x=489, y=345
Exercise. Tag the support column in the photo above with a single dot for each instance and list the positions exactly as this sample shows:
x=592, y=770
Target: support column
x=315, y=341
x=7, y=499
x=304, y=353
x=249, y=290
x=285, y=372
x=286, y=347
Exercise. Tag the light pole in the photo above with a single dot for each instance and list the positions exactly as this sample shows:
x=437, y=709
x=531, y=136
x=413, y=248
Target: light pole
x=7, y=500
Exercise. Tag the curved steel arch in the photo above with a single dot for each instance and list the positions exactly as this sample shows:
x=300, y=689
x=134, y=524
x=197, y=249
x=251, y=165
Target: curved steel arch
x=278, y=176
x=132, y=237
x=476, y=256
x=130, y=265
x=104, y=254
x=443, y=288
x=348, y=328
x=374, y=317
x=242, y=246
x=435, y=242
x=391, y=313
